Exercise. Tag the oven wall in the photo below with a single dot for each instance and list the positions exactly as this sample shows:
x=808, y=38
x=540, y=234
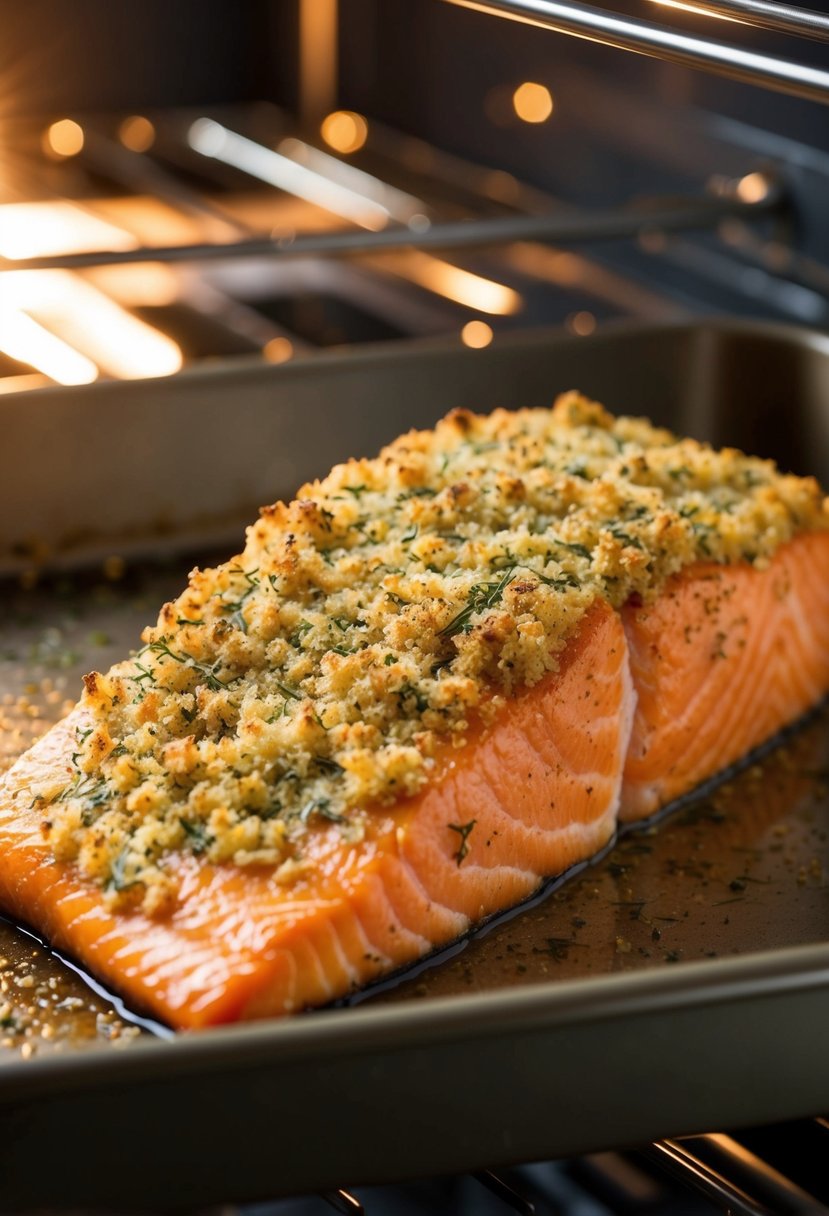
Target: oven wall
x=58, y=57
x=623, y=125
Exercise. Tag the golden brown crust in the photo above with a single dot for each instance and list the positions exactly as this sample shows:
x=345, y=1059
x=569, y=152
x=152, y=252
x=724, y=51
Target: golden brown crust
x=313, y=675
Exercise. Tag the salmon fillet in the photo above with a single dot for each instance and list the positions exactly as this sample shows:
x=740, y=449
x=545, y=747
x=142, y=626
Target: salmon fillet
x=323, y=766
x=540, y=784
x=721, y=662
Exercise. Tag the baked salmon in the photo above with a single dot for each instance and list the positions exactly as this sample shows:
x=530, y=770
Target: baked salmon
x=721, y=661
x=433, y=681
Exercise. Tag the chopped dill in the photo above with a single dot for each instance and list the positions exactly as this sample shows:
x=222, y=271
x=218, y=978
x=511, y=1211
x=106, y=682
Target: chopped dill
x=287, y=691
x=118, y=880
x=327, y=765
x=198, y=836
x=322, y=808
x=463, y=830
x=207, y=671
x=481, y=597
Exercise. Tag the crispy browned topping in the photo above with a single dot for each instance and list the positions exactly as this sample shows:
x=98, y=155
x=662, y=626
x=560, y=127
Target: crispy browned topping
x=313, y=675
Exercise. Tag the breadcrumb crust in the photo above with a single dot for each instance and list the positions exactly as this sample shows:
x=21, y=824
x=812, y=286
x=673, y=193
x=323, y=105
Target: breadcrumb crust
x=313, y=676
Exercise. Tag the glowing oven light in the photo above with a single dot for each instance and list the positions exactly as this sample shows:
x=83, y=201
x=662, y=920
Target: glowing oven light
x=137, y=133
x=93, y=327
x=278, y=350
x=532, y=102
x=581, y=323
x=138, y=285
x=31, y=230
x=753, y=188
x=476, y=334
x=692, y=8
x=344, y=131
x=121, y=344
x=210, y=138
x=462, y=286
x=60, y=323
x=23, y=339
x=63, y=139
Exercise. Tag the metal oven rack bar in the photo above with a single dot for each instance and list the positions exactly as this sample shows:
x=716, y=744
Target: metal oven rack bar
x=675, y=46
x=767, y=14
x=727, y=1175
x=683, y=214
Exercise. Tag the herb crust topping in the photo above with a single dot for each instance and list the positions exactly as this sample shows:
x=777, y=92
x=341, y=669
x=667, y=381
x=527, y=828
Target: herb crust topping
x=313, y=676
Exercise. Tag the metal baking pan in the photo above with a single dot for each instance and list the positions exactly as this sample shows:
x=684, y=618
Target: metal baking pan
x=140, y=467
x=679, y=985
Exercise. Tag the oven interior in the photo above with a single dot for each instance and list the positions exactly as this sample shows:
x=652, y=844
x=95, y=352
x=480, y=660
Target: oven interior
x=210, y=186
x=302, y=170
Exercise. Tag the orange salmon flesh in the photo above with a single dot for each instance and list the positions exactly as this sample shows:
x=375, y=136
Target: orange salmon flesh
x=646, y=704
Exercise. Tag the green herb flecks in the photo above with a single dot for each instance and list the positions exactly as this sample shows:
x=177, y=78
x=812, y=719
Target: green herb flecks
x=86, y=788
x=236, y=606
x=119, y=880
x=463, y=830
x=559, y=581
x=703, y=532
x=327, y=765
x=206, y=671
x=299, y=633
x=417, y=492
x=481, y=597
x=287, y=691
x=145, y=676
x=578, y=468
x=197, y=835
x=580, y=550
x=408, y=694
x=322, y=808
x=80, y=738
x=617, y=530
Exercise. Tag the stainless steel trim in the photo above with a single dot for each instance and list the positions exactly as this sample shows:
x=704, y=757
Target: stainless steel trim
x=673, y=46
x=766, y=14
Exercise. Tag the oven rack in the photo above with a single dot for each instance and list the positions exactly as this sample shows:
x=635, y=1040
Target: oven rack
x=688, y=50
x=728, y=1173
x=561, y=227
x=739, y=210
x=228, y=254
